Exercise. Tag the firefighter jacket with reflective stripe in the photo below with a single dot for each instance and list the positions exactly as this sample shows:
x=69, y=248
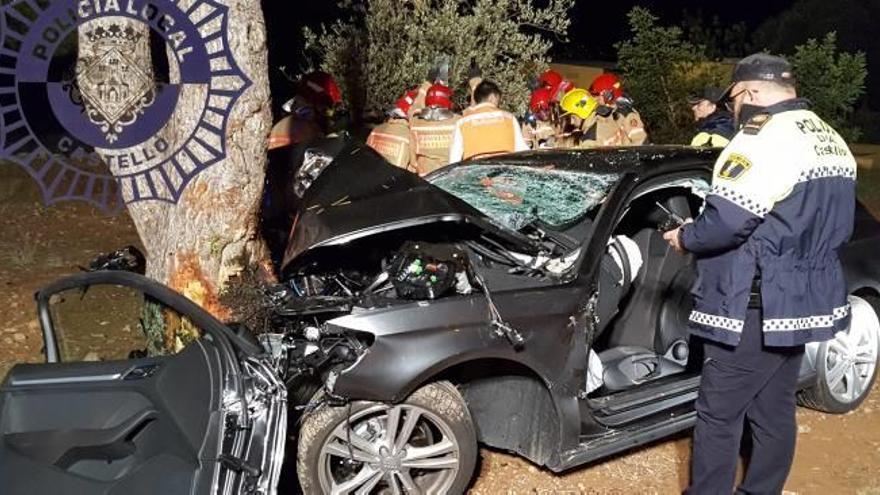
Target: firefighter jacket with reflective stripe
x=618, y=129
x=485, y=130
x=715, y=130
x=431, y=140
x=391, y=140
x=781, y=207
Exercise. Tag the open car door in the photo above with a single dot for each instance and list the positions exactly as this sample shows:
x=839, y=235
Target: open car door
x=142, y=392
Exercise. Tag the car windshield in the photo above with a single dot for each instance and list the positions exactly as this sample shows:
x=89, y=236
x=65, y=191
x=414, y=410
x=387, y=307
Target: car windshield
x=514, y=195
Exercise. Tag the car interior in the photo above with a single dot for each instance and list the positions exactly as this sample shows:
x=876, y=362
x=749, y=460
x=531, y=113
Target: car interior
x=647, y=339
x=131, y=421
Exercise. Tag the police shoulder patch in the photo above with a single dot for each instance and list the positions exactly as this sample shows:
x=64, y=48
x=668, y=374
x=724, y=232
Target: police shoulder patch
x=756, y=123
x=734, y=167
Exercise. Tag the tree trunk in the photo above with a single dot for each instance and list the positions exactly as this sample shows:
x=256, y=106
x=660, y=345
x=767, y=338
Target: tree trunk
x=212, y=232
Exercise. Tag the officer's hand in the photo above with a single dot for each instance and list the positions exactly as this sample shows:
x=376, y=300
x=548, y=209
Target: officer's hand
x=673, y=237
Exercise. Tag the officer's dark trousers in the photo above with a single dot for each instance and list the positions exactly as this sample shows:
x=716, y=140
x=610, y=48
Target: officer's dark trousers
x=751, y=383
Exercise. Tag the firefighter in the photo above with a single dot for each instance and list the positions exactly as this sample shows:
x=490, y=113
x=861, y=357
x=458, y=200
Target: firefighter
x=715, y=122
x=770, y=279
x=540, y=128
x=392, y=139
x=485, y=129
x=431, y=131
x=579, y=122
x=618, y=123
x=556, y=84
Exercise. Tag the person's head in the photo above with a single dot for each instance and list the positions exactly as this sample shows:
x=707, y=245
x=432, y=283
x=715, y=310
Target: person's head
x=579, y=104
x=705, y=103
x=439, y=96
x=402, y=105
x=540, y=102
x=487, y=92
x=759, y=81
x=607, y=88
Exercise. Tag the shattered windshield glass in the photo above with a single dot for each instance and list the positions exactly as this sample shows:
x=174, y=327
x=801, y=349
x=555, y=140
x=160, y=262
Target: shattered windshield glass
x=514, y=196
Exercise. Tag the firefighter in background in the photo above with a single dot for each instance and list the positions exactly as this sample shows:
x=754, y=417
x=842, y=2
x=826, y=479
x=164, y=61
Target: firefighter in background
x=540, y=129
x=317, y=100
x=556, y=84
x=392, y=139
x=618, y=123
x=579, y=120
x=485, y=129
x=431, y=131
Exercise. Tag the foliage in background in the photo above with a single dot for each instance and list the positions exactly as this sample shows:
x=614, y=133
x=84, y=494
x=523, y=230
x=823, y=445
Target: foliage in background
x=832, y=81
x=660, y=68
x=719, y=40
x=662, y=65
x=387, y=46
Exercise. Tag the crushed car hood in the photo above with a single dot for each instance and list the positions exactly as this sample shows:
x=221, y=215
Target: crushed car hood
x=360, y=194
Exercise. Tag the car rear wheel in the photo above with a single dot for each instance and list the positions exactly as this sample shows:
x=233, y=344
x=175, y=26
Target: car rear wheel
x=425, y=444
x=846, y=366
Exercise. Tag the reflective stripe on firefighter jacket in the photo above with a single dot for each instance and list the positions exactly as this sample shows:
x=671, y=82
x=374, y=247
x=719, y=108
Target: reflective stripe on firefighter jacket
x=620, y=130
x=431, y=140
x=781, y=206
x=486, y=130
x=391, y=140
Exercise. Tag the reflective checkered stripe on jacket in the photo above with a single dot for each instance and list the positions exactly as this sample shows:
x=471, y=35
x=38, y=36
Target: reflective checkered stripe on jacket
x=782, y=205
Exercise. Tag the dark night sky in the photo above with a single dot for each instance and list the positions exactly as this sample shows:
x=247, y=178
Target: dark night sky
x=596, y=25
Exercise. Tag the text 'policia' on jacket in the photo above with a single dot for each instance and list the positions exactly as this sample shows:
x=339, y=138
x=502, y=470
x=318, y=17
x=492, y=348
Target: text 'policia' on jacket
x=782, y=204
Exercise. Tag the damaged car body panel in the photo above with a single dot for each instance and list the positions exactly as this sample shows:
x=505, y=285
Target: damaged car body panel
x=413, y=341
x=527, y=302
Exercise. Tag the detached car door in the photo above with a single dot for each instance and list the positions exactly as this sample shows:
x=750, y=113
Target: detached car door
x=142, y=392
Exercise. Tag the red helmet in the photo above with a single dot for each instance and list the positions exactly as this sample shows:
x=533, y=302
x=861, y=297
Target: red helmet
x=321, y=89
x=607, y=86
x=439, y=96
x=540, y=101
x=557, y=85
x=402, y=106
x=550, y=79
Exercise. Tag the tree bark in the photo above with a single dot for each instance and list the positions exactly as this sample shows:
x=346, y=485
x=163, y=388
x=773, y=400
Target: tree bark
x=212, y=233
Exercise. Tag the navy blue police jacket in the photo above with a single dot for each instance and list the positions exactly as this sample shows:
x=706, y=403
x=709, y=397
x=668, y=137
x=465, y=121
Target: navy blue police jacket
x=781, y=206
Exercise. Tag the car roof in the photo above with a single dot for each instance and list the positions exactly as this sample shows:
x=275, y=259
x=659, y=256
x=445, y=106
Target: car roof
x=638, y=159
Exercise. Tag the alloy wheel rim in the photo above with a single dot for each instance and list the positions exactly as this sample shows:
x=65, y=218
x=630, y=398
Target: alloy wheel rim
x=401, y=449
x=851, y=357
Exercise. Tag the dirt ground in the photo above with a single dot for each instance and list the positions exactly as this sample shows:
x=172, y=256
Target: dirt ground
x=835, y=454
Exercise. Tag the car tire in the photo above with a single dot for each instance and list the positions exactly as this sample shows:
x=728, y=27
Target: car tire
x=844, y=375
x=441, y=431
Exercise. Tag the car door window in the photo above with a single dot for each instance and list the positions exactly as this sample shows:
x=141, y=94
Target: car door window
x=113, y=322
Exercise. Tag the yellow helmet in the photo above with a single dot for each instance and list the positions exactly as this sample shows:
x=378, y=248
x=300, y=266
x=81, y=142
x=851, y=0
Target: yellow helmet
x=579, y=102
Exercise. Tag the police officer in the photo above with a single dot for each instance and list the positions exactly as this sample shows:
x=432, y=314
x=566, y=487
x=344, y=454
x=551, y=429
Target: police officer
x=715, y=123
x=770, y=279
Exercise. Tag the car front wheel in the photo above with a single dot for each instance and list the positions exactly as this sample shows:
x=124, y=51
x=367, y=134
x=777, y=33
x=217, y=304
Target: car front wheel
x=846, y=366
x=425, y=444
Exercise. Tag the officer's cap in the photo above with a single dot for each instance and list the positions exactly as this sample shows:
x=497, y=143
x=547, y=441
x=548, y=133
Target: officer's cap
x=710, y=94
x=761, y=67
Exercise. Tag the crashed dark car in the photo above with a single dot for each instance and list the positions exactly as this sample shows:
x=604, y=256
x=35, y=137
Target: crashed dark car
x=525, y=302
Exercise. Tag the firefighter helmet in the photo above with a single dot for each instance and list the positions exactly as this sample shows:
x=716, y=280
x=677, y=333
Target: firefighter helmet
x=439, y=96
x=579, y=102
x=607, y=86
